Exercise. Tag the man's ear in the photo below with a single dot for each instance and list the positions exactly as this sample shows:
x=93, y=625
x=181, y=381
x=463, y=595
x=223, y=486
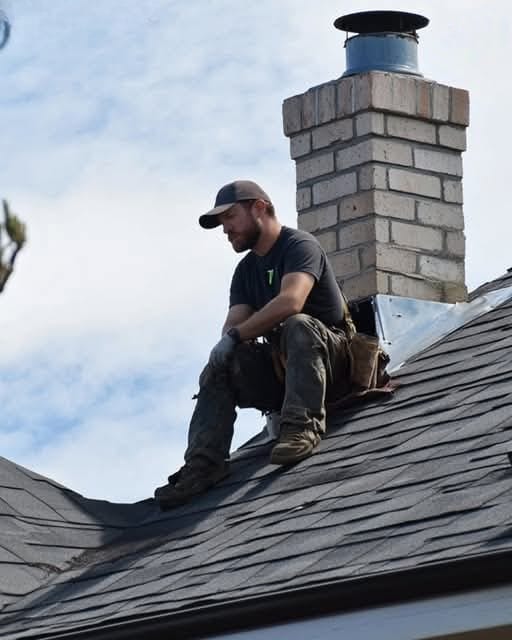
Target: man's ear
x=260, y=208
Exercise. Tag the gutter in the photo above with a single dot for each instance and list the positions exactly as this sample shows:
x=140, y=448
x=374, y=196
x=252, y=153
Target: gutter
x=471, y=574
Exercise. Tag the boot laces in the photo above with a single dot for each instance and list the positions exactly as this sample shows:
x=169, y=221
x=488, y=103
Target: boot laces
x=296, y=433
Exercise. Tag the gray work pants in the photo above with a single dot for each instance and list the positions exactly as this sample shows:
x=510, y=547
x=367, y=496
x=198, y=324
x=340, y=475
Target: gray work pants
x=317, y=371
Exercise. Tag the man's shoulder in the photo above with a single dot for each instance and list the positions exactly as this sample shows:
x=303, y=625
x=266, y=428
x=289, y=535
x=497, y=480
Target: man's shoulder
x=298, y=234
x=293, y=237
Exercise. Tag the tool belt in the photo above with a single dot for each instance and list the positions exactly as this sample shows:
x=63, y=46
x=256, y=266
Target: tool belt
x=367, y=363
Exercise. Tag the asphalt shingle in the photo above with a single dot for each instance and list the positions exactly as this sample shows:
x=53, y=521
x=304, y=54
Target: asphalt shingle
x=416, y=480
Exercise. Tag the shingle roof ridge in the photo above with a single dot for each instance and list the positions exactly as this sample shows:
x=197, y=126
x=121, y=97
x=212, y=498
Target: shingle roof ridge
x=499, y=282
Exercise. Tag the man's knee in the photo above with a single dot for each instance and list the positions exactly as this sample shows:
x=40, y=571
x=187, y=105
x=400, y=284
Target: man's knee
x=300, y=330
x=234, y=369
x=298, y=320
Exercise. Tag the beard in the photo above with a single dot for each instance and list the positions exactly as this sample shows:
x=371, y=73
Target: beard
x=246, y=240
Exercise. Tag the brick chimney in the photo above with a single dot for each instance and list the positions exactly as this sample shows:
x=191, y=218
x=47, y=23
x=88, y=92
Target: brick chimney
x=379, y=169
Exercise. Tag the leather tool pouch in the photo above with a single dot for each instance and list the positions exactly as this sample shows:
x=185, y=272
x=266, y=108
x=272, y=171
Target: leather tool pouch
x=367, y=363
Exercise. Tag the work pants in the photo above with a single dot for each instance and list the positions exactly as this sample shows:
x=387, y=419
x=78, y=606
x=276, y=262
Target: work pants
x=316, y=372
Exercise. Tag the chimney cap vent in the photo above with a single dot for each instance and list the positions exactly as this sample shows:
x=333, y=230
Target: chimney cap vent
x=381, y=22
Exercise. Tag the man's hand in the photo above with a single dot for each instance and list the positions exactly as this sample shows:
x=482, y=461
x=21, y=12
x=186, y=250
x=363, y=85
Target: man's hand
x=223, y=351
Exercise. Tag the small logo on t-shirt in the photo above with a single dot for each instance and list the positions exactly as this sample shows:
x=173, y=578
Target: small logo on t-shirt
x=270, y=276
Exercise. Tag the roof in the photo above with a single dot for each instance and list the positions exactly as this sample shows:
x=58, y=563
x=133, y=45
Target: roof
x=395, y=489
x=500, y=283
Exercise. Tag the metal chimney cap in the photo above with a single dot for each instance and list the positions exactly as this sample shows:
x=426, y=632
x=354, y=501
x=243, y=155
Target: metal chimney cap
x=381, y=22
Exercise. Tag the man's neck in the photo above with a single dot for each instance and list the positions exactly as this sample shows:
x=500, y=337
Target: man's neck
x=267, y=238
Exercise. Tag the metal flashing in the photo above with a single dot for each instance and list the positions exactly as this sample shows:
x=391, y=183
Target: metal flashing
x=407, y=326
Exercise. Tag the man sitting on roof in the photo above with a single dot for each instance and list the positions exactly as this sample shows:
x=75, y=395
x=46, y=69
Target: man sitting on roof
x=285, y=291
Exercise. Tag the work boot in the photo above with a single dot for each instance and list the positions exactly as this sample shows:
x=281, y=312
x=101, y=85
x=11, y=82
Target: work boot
x=295, y=444
x=195, y=477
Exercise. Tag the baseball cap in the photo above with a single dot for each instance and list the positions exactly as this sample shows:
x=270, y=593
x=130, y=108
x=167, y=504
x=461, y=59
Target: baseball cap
x=229, y=195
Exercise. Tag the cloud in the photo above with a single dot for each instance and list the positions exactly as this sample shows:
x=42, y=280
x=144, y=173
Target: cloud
x=127, y=295
x=102, y=417
x=111, y=436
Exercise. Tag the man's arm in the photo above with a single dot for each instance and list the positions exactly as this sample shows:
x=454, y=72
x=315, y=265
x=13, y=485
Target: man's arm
x=237, y=314
x=295, y=288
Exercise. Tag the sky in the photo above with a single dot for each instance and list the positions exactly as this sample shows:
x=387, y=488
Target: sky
x=119, y=121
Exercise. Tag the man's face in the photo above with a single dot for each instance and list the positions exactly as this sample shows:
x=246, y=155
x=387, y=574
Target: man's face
x=241, y=226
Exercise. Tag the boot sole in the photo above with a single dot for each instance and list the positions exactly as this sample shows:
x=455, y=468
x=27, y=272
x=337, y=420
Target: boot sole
x=283, y=459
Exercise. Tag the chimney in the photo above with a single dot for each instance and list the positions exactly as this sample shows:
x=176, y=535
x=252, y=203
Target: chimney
x=379, y=166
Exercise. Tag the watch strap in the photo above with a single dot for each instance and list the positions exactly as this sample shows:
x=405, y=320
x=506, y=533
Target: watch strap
x=234, y=334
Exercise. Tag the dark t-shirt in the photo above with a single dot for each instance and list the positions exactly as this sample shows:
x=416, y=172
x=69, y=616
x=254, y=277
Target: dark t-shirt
x=257, y=279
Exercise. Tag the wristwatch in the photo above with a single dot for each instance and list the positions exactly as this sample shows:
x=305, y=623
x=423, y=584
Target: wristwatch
x=234, y=334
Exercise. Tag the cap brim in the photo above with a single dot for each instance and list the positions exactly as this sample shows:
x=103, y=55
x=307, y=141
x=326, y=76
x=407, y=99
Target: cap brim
x=210, y=220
